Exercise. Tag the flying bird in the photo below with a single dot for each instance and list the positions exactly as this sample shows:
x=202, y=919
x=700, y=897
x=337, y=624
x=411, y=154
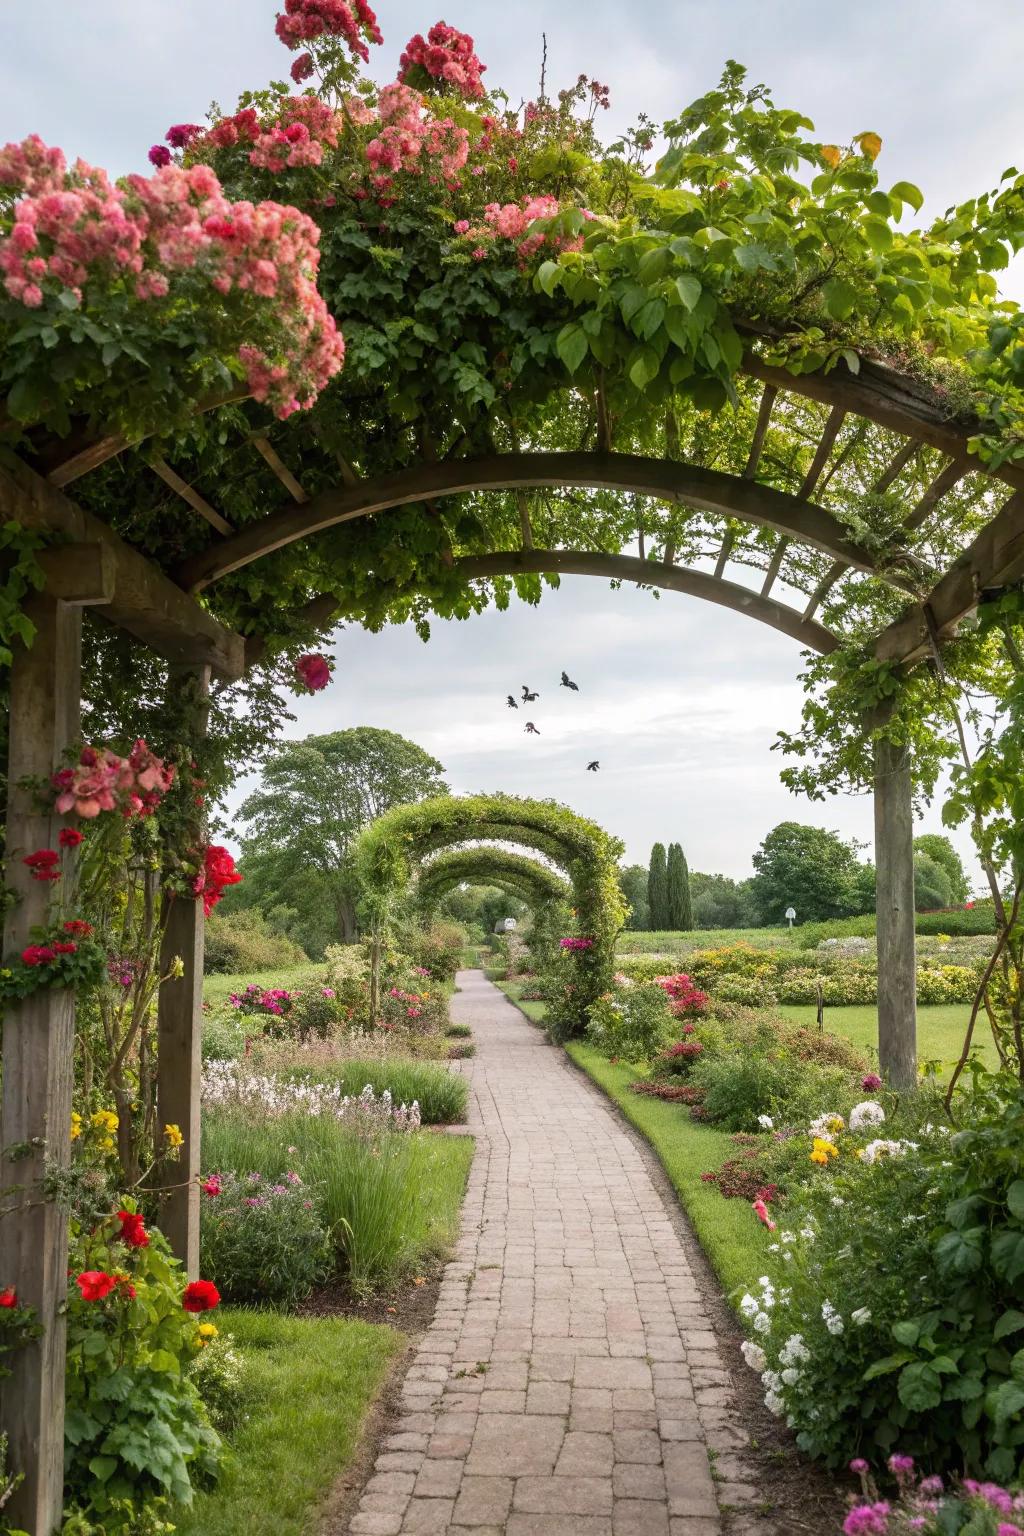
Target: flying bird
x=529, y=697
x=567, y=682
x=511, y=702
x=594, y=766
x=531, y=729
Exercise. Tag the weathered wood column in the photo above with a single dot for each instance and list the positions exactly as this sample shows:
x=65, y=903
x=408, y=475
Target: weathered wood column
x=894, y=906
x=38, y=1037
x=179, y=1029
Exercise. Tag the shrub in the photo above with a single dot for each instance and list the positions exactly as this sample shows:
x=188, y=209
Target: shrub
x=461, y=1050
x=315, y=1013
x=631, y=1022
x=347, y=974
x=438, y=950
x=136, y=1434
x=217, y=1373
x=640, y=967
x=262, y=1241
x=244, y=942
x=458, y=1031
x=959, y=922
x=904, y=1294
x=763, y=1078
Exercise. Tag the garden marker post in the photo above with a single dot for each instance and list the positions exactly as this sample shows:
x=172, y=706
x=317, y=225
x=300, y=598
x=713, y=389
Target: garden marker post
x=39, y=1036
x=179, y=1028
x=894, y=906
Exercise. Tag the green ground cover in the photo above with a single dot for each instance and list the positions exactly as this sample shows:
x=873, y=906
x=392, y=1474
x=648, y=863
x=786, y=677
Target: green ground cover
x=674, y=943
x=308, y=1383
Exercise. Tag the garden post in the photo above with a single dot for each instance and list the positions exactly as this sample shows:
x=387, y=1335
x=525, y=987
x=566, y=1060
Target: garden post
x=38, y=1048
x=179, y=1029
x=894, y=906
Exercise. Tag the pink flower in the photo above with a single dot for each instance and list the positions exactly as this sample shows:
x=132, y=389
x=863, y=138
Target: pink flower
x=315, y=671
x=867, y=1520
x=760, y=1210
x=446, y=57
x=858, y=1465
x=871, y=1081
x=180, y=135
x=901, y=1466
x=159, y=155
x=461, y=226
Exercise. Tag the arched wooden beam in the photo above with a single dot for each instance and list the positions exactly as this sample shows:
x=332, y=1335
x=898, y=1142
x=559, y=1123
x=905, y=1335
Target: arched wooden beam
x=649, y=573
x=729, y=495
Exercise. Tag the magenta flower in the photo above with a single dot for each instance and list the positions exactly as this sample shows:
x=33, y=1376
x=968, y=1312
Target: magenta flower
x=871, y=1081
x=867, y=1520
x=901, y=1466
x=159, y=155
x=858, y=1465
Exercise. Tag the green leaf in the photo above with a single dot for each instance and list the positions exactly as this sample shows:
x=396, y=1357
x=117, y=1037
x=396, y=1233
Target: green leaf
x=1015, y=1198
x=163, y=1360
x=907, y=1332
x=644, y=363
x=878, y=235
x=689, y=289
x=840, y=297
x=572, y=346
x=547, y=276
x=1010, y=1322
x=919, y=1387
x=103, y=1467
x=908, y=193
x=887, y=1366
x=754, y=258
x=653, y=265
x=1008, y=1255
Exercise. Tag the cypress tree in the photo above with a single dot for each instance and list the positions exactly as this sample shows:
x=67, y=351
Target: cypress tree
x=680, y=908
x=657, y=888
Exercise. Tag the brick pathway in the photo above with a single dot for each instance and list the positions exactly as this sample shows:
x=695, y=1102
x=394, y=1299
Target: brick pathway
x=570, y=1383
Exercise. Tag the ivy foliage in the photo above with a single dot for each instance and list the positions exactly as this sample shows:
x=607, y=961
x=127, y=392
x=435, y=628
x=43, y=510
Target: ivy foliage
x=534, y=882
x=386, y=855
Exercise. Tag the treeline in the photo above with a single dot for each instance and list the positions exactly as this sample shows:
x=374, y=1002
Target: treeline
x=810, y=869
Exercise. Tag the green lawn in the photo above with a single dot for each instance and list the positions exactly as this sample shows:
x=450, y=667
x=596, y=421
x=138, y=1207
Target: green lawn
x=940, y=1029
x=309, y=1383
x=217, y=986
x=671, y=942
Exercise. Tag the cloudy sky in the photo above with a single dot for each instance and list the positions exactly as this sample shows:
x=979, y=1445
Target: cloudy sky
x=680, y=701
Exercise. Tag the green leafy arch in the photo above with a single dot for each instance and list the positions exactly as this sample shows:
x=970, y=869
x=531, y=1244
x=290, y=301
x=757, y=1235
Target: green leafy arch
x=387, y=852
x=533, y=882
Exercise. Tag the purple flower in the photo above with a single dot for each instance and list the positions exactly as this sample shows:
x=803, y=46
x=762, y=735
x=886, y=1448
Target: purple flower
x=858, y=1464
x=159, y=155
x=992, y=1493
x=931, y=1486
x=867, y=1520
x=901, y=1466
x=871, y=1081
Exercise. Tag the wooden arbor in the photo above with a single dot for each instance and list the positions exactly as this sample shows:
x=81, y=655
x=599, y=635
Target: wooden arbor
x=801, y=544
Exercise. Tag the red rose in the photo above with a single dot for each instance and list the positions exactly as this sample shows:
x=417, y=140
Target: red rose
x=94, y=1284
x=132, y=1230
x=65, y=949
x=9, y=1297
x=315, y=672
x=43, y=858
x=38, y=954
x=200, y=1296
x=218, y=872
x=211, y=1186
x=76, y=925
x=69, y=837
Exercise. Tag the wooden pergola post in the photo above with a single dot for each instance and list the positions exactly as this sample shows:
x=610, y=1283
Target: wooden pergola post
x=38, y=1036
x=894, y=906
x=179, y=1032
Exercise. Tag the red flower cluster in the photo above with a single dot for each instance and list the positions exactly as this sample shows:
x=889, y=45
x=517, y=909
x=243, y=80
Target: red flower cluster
x=303, y=21
x=685, y=1050
x=408, y=134
x=38, y=954
x=78, y=926
x=69, y=837
x=133, y=1231
x=218, y=873
x=447, y=56
x=314, y=671
x=304, y=125
x=200, y=1296
x=9, y=1297
x=211, y=1186
x=44, y=864
x=686, y=999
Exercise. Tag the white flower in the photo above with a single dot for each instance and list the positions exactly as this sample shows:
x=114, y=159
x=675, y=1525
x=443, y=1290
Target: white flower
x=771, y=1381
x=773, y=1247
x=791, y=1376
x=861, y=1316
x=837, y=1200
x=788, y=1237
x=754, y=1355
x=774, y=1404
x=794, y=1351
x=762, y=1323
x=785, y=1294
x=826, y=1124
x=749, y=1306
x=766, y=1122
x=868, y=1113
x=876, y=1149
x=787, y=1257
x=808, y=1233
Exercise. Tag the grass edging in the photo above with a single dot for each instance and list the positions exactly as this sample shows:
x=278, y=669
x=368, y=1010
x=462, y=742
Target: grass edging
x=309, y=1383
x=726, y=1229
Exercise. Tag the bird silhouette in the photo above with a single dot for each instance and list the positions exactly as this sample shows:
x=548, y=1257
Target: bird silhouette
x=567, y=682
x=594, y=766
x=531, y=729
x=511, y=702
x=529, y=697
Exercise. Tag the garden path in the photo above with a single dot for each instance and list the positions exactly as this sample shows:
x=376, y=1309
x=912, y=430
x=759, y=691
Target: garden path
x=570, y=1383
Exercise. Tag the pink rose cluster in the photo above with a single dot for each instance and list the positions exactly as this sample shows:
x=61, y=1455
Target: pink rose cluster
x=102, y=781
x=73, y=227
x=512, y=221
x=576, y=946
x=447, y=56
x=408, y=134
x=307, y=21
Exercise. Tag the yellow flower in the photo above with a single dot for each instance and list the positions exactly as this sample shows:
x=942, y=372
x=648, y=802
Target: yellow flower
x=174, y=1136
x=105, y=1120
x=76, y=1125
x=819, y=1157
x=208, y=1330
